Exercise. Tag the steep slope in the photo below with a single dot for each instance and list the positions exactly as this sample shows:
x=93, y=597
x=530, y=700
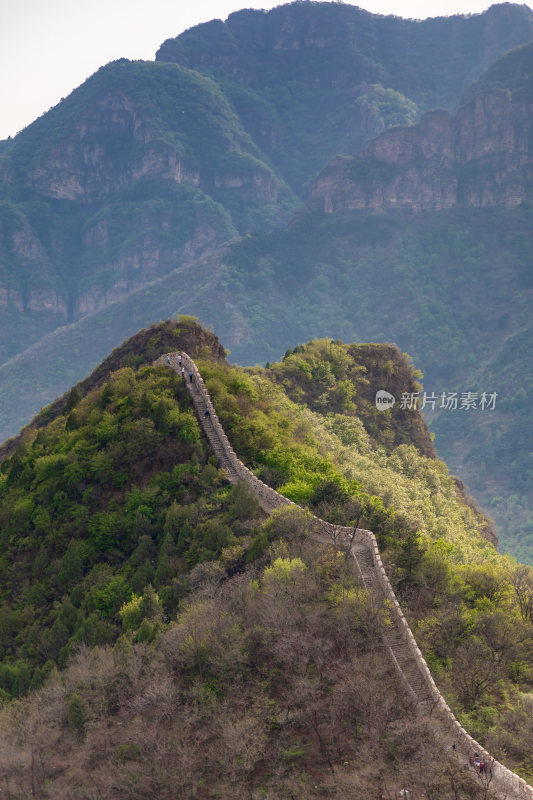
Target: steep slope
x=399, y=643
x=312, y=80
x=62, y=357
x=511, y=71
x=142, y=169
x=134, y=120
x=147, y=166
x=115, y=206
x=458, y=292
x=480, y=157
x=493, y=455
x=91, y=475
x=263, y=661
x=453, y=290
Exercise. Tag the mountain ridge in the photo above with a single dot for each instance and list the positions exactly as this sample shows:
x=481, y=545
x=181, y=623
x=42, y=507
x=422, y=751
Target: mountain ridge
x=145, y=541
x=117, y=184
x=360, y=50
x=478, y=157
x=363, y=547
x=177, y=237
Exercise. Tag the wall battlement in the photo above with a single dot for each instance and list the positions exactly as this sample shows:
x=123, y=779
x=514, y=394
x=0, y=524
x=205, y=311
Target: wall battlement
x=399, y=641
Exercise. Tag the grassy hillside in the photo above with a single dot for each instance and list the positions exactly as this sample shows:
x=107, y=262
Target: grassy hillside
x=129, y=562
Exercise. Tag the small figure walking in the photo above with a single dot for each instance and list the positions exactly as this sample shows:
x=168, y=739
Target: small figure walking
x=179, y=359
x=206, y=413
x=183, y=373
x=190, y=377
x=168, y=359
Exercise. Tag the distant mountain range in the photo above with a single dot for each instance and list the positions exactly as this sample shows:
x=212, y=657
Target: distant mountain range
x=286, y=175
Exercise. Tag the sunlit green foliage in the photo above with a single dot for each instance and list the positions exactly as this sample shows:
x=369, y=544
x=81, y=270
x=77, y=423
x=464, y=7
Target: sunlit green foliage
x=468, y=605
x=114, y=511
x=327, y=459
x=113, y=495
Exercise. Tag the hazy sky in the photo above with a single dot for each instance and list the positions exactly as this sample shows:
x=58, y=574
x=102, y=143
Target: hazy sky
x=48, y=47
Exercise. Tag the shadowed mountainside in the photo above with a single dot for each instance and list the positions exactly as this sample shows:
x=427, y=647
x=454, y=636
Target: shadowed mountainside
x=312, y=80
x=148, y=166
x=480, y=157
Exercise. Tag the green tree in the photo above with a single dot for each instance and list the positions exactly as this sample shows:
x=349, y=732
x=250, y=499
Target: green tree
x=71, y=570
x=77, y=716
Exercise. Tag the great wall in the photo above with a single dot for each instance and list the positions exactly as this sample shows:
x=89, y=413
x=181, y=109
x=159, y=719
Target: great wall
x=399, y=642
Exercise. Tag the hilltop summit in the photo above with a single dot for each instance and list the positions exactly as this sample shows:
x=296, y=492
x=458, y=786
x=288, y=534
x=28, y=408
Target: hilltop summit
x=173, y=608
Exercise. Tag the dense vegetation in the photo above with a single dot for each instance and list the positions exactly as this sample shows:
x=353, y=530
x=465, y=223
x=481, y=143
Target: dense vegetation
x=513, y=72
x=313, y=80
x=179, y=114
x=466, y=331
x=458, y=294
x=90, y=514
x=120, y=533
x=269, y=684
x=109, y=497
x=126, y=192
x=158, y=170
x=148, y=165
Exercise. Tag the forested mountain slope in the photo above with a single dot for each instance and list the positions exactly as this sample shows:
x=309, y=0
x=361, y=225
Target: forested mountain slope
x=481, y=156
x=172, y=186
x=119, y=534
x=141, y=170
x=313, y=80
x=147, y=166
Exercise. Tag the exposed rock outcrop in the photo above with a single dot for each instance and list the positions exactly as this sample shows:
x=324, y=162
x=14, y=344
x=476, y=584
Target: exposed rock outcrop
x=480, y=157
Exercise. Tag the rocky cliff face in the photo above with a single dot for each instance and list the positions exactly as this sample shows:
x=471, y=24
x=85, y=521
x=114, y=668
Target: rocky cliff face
x=140, y=171
x=482, y=156
x=112, y=269
x=115, y=144
x=336, y=46
x=150, y=166
x=312, y=80
x=117, y=136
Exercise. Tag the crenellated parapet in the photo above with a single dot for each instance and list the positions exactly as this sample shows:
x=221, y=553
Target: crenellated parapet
x=399, y=641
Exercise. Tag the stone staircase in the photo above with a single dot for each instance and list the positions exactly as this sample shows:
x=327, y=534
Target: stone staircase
x=398, y=639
